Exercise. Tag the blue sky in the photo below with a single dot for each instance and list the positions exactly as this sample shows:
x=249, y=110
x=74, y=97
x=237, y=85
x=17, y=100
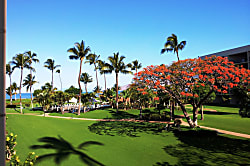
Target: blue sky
x=135, y=28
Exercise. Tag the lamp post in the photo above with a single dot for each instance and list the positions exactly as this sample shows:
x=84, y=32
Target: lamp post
x=3, y=8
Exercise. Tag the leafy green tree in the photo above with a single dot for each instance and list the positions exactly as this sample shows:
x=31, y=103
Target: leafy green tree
x=59, y=71
x=79, y=52
x=50, y=64
x=103, y=68
x=15, y=88
x=21, y=61
x=118, y=66
x=86, y=78
x=72, y=90
x=92, y=59
x=29, y=81
x=173, y=45
x=9, y=71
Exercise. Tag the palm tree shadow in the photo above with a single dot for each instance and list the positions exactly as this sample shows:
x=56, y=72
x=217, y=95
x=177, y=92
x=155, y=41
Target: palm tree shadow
x=204, y=147
x=121, y=115
x=64, y=149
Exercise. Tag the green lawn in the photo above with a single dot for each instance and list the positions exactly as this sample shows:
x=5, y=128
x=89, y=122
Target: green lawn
x=127, y=143
x=25, y=110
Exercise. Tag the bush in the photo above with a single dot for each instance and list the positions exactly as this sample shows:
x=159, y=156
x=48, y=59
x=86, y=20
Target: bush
x=155, y=117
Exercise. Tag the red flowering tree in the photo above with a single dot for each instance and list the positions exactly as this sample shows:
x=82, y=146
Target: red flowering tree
x=180, y=80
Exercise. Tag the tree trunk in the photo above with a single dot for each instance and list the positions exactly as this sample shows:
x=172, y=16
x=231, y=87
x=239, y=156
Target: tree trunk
x=177, y=55
x=60, y=80
x=20, y=91
x=140, y=112
x=79, y=83
x=15, y=95
x=116, y=74
x=105, y=81
x=201, y=112
x=195, y=116
x=31, y=102
x=96, y=79
x=86, y=88
x=52, y=80
x=172, y=107
x=10, y=91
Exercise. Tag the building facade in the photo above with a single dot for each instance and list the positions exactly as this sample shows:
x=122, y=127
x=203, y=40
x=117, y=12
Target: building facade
x=240, y=56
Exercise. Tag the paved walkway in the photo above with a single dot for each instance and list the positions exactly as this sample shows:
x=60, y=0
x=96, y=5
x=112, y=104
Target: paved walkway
x=129, y=120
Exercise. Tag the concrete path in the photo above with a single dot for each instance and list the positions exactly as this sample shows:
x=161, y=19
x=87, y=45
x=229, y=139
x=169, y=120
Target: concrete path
x=133, y=120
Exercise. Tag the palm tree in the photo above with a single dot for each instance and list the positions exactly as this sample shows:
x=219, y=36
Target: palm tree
x=50, y=64
x=173, y=45
x=118, y=66
x=86, y=78
x=103, y=68
x=79, y=52
x=15, y=88
x=135, y=65
x=29, y=81
x=21, y=61
x=59, y=71
x=9, y=71
x=92, y=59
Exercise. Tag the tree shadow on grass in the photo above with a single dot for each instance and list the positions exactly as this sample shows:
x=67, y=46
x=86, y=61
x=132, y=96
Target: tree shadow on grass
x=123, y=128
x=121, y=115
x=64, y=149
x=219, y=113
x=205, y=147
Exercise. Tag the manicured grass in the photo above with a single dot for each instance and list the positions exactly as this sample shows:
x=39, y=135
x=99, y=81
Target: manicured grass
x=127, y=143
x=25, y=111
x=226, y=118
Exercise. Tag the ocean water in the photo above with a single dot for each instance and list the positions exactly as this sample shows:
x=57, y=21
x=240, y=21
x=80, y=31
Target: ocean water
x=24, y=96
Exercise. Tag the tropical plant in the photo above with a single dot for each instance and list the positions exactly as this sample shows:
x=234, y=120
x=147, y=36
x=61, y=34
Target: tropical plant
x=9, y=71
x=29, y=81
x=9, y=91
x=79, y=52
x=92, y=59
x=15, y=88
x=72, y=90
x=173, y=45
x=86, y=78
x=50, y=64
x=103, y=68
x=21, y=61
x=118, y=66
x=59, y=71
x=135, y=65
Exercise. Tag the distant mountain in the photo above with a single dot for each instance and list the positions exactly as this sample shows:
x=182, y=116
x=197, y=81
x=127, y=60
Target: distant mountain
x=125, y=87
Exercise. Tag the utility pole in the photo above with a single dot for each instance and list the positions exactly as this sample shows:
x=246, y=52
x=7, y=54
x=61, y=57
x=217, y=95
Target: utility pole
x=3, y=9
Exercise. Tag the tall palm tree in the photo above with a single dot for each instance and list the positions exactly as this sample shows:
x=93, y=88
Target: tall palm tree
x=79, y=52
x=21, y=61
x=59, y=71
x=50, y=64
x=29, y=81
x=104, y=69
x=92, y=59
x=135, y=65
x=173, y=45
x=15, y=88
x=118, y=66
x=9, y=71
x=86, y=78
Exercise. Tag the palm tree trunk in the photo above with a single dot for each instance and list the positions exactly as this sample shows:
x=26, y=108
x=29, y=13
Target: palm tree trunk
x=31, y=102
x=52, y=80
x=10, y=91
x=116, y=74
x=60, y=80
x=86, y=88
x=105, y=82
x=96, y=79
x=201, y=112
x=79, y=83
x=15, y=95
x=20, y=91
x=177, y=55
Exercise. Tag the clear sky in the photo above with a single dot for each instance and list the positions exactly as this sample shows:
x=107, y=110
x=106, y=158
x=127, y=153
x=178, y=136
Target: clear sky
x=136, y=28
